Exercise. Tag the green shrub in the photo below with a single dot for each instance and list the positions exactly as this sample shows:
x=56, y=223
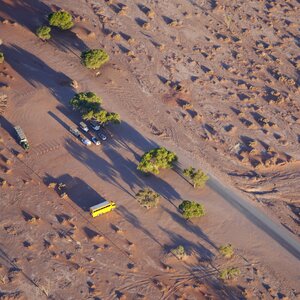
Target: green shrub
x=190, y=209
x=226, y=250
x=147, y=198
x=102, y=116
x=179, y=252
x=1, y=57
x=94, y=58
x=155, y=159
x=198, y=177
x=61, y=19
x=86, y=102
x=229, y=273
x=43, y=32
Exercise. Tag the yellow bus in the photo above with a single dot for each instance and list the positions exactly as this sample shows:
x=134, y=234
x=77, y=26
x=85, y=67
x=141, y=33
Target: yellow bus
x=102, y=208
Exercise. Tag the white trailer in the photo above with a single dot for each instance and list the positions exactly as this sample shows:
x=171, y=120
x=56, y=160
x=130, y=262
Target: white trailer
x=22, y=137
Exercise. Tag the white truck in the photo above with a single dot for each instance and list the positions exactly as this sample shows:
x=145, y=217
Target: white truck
x=22, y=138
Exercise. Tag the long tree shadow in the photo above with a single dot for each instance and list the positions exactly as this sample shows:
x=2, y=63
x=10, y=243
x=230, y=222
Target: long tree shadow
x=98, y=165
x=202, y=252
x=33, y=14
x=189, y=226
x=36, y=72
x=135, y=221
x=28, y=13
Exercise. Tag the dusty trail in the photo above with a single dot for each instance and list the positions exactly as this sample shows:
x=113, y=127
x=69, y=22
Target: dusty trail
x=278, y=233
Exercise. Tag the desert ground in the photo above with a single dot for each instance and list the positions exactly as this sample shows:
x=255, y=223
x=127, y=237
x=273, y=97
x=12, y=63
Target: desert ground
x=215, y=81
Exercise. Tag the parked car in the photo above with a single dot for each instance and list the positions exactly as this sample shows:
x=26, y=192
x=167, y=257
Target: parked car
x=95, y=125
x=75, y=132
x=96, y=141
x=102, y=136
x=86, y=141
x=83, y=126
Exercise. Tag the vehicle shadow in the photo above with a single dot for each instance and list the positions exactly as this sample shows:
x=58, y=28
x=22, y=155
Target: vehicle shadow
x=82, y=194
x=8, y=127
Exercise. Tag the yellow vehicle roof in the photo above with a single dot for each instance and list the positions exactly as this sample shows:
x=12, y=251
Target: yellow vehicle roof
x=102, y=204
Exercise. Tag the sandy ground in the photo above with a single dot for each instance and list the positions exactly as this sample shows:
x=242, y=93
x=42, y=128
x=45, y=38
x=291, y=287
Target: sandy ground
x=195, y=79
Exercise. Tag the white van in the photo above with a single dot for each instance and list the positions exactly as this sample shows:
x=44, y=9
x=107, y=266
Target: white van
x=84, y=127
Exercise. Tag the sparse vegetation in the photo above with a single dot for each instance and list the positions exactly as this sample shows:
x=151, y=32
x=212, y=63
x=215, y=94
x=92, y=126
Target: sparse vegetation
x=147, y=198
x=61, y=19
x=1, y=57
x=179, y=252
x=43, y=32
x=94, y=58
x=190, y=209
x=156, y=159
x=229, y=273
x=227, y=250
x=198, y=177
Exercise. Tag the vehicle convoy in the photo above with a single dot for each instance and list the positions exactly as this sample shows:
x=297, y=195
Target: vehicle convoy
x=22, y=138
x=83, y=126
x=102, y=208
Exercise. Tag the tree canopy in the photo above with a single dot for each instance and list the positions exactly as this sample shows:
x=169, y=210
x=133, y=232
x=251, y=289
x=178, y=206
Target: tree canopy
x=229, y=273
x=86, y=102
x=179, y=252
x=89, y=105
x=61, y=19
x=43, y=32
x=156, y=159
x=198, y=177
x=226, y=250
x=102, y=116
x=1, y=57
x=94, y=58
x=147, y=198
x=190, y=209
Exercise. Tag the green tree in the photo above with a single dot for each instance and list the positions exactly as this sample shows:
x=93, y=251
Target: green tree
x=226, y=250
x=147, y=198
x=179, y=252
x=229, y=273
x=61, y=19
x=43, y=32
x=1, y=57
x=155, y=159
x=190, y=209
x=94, y=58
x=102, y=116
x=86, y=102
x=198, y=177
